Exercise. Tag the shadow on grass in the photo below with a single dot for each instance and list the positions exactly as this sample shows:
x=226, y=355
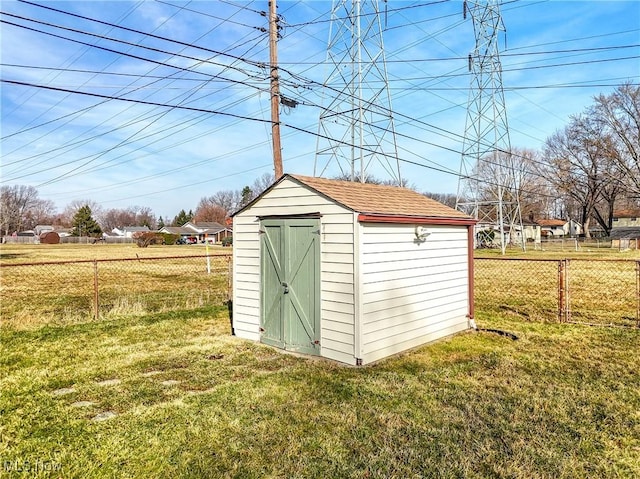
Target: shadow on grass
x=62, y=331
x=230, y=309
x=7, y=256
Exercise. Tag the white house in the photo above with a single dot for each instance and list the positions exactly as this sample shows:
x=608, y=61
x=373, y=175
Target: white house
x=129, y=231
x=550, y=228
x=349, y=271
x=555, y=228
x=208, y=229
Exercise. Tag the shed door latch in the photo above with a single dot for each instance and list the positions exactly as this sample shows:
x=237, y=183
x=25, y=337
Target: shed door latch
x=286, y=287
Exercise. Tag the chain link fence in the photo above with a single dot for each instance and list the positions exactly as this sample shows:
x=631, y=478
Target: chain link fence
x=588, y=291
x=69, y=291
x=605, y=292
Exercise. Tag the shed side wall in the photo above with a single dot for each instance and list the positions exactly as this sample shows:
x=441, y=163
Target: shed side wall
x=337, y=271
x=412, y=292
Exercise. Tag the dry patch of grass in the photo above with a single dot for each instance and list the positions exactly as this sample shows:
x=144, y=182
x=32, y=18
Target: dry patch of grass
x=586, y=252
x=192, y=401
x=24, y=253
x=596, y=291
x=65, y=292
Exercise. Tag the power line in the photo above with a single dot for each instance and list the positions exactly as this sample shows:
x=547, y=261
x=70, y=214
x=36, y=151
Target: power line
x=165, y=77
x=158, y=37
x=71, y=61
x=392, y=10
x=227, y=21
x=104, y=37
x=464, y=58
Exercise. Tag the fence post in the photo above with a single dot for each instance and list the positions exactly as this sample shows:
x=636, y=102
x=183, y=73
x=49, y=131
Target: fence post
x=96, y=302
x=637, y=294
x=229, y=278
x=560, y=290
x=567, y=290
x=564, y=293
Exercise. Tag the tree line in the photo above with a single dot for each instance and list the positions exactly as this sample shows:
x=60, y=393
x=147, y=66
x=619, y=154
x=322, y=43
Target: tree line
x=22, y=209
x=583, y=171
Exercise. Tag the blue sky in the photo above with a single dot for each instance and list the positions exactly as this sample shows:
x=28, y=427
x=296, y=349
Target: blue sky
x=63, y=134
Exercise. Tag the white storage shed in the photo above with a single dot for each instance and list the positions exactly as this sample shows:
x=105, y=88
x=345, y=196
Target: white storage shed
x=349, y=271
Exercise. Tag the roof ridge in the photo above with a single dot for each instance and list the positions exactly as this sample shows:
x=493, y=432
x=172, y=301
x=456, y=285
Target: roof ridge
x=377, y=199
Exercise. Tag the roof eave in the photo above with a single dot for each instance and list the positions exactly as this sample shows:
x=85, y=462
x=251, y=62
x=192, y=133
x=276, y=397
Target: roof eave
x=416, y=220
x=259, y=197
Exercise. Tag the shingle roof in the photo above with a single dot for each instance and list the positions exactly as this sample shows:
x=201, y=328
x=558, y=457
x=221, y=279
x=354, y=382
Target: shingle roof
x=207, y=224
x=379, y=199
x=552, y=222
x=177, y=230
x=630, y=232
x=631, y=213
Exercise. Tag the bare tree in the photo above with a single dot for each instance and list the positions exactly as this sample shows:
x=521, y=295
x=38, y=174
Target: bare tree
x=131, y=216
x=261, y=184
x=620, y=112
x=448, y=199
x=20, y=208
x=208, y=211
x=116, y=218
x=578, y=163
x=145, y=217
x=229, y=200
x=43, y=212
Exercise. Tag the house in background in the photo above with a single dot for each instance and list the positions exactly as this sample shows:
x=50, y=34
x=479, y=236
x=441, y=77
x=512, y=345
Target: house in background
x=128, y=231
x=625, y=233
x=555, y=228
x=212, y=231
x=488, y=234
x=626, y=218
x=177, y=230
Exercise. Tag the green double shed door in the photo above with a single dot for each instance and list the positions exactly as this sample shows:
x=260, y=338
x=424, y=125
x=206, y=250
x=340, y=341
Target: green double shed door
x=290, y=283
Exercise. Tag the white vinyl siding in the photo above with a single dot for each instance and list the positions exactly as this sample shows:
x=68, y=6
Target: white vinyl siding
x=412, y=292
x=336, y=256
x=246, y=277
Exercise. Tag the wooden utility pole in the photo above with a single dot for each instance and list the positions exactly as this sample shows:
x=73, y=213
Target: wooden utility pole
x=275, y=89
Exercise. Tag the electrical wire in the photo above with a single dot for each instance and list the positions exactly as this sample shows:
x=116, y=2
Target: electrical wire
x=71, y=61
x=435, y=168
x=104, y=37
x=260, y=29
x=157, y=37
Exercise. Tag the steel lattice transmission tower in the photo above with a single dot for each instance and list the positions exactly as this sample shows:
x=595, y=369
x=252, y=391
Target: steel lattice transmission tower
x=488, y=188
x=356, y=131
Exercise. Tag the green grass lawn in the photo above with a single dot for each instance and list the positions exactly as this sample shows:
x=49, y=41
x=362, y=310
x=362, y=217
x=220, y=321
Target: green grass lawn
x=563, y=401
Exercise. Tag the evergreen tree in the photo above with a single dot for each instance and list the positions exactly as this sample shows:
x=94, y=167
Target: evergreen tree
x=247, y=196
x=84, y=224
x=181, y=218
x=160, y=223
